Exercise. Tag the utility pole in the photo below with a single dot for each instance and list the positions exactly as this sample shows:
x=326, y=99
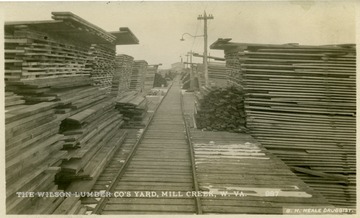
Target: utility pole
x=192, y=77
x=205, y=18
x=187, y=60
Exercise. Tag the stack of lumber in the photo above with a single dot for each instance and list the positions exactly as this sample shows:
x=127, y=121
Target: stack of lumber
x=150, y=77
x=102, y=65
x=220, y=109
x=31, y=55
x=88, y=134
x=57, y=76
x=234, y=70
x=133, y=107
x=32, y=155
x=122, y=74
x=44, y=69
x=13, y=101
x=159, y=81
x=217, y=74
x=138, y=75
x=301, y=104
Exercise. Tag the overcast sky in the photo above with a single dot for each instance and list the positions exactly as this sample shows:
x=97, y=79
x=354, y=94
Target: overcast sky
x=159, y=25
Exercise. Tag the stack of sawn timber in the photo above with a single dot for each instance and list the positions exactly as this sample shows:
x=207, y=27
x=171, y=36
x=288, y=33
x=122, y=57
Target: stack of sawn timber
x=217, y=74
x=133, y=106
x=220, y=109
x=89, y=133
x=122, y=74
x=32, y=154
x=102, y=65
x=301, y=104
x=50, y=73
x=138, y=75
x=37, y=68
x=30, y=54
x=150, y=77
x=234, y=59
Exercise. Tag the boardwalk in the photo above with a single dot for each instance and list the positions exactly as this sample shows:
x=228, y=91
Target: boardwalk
x=208, y=172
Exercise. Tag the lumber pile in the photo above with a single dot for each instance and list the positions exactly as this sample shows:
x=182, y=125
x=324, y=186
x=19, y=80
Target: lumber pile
x=32, y=155
x=138, y=75
x=220, y=109
x=300, y=104
x=122, y=75
x=88, y=134
x=101, y=62
x=150, y=77
x=13, y=101
x=133, y=107
x=30, y=54
x=234, y=70
x=61, y=126
x=217, y=74
x=159, y=81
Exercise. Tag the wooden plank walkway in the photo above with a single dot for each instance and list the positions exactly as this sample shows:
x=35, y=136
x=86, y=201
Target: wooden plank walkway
x=160, y=172
x=234, y=174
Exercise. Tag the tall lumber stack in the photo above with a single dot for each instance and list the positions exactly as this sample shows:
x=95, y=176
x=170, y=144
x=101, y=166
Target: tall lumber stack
x=31, y=54
x=138, y=75
x=32, y=154
x=234, y=70
x=220, y=109
x=134, y=107
x=102, y=65
x=150, y=77
x=301, y=104
x=59, y=123
x=122, y=75
x=40, y=69
x=87, y=134
x=159, y=81
x=217, y=74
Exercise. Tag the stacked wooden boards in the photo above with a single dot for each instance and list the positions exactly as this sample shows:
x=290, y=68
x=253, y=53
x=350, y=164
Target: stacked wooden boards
x=102, y=65
x=89, y=133
x=32, y=155
x=301, y=105
x=48, y=65
x=133, y=106
x=138, y=75
x=220, y=109
x=150, y=77
x=30, y=54
x=318, y=85
x=217, y=74
x=234, y=70
x=122, y=74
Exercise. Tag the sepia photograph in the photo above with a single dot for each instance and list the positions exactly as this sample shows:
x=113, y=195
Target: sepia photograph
x=179, y=107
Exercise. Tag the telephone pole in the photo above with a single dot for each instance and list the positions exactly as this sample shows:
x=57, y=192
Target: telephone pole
x=205, y=18
x=192, y=77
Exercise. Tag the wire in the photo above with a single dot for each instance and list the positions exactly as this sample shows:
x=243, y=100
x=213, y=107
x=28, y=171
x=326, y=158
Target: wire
x=196, y=31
